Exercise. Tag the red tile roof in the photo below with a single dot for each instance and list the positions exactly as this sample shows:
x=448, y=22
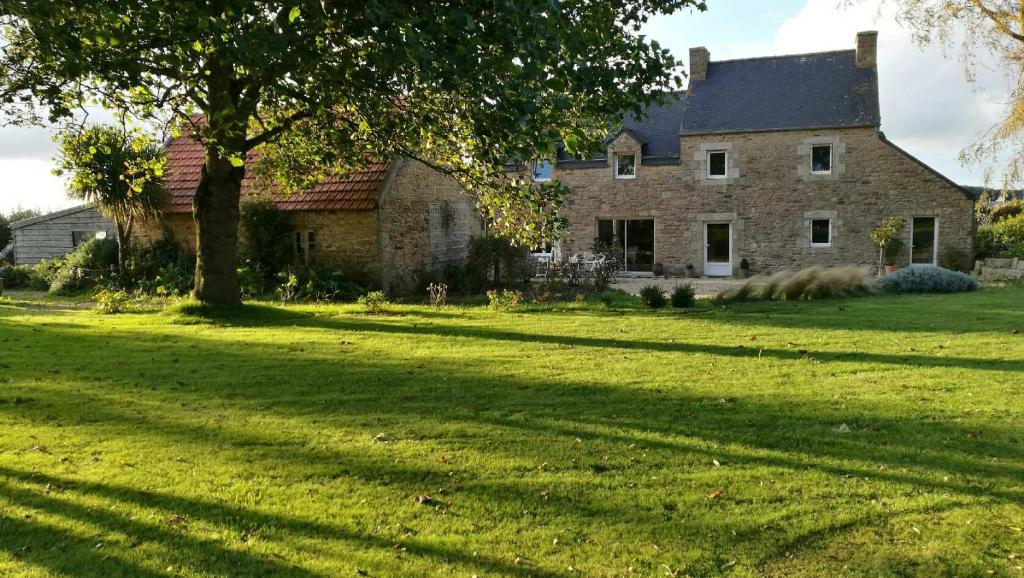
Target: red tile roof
x=355, y=192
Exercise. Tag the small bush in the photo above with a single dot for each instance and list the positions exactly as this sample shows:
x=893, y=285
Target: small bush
x=956, y=259
x=927, y=279
x=986, y=244
x=375, y=302
x=653, y=296
x=504, y=299
x=807, y=284
x=21, y=276
x=89, y=263
x=113, y=302
x=266, y=235
x=320, y=283
x=1006, y=210
x=684, y=295
x=438, y=293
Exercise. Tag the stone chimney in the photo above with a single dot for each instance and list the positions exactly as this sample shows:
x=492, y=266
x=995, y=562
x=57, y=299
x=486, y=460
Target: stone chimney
x=699, y=58
x=867, y=49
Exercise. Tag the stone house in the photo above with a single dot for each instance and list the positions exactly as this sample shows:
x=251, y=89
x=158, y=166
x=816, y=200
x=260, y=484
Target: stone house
x=384, y=226
x=54, y=235
x=776, y=161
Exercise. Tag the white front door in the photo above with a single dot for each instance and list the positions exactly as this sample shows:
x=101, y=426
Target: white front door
x=718, y=249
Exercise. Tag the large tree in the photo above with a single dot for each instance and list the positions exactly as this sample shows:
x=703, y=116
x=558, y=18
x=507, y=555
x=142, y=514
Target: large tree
x=118, y=170
x=985, y=29
x=324, y=86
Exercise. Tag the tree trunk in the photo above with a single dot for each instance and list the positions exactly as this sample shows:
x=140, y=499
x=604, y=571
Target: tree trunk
x=122, y=250
x=215, y=208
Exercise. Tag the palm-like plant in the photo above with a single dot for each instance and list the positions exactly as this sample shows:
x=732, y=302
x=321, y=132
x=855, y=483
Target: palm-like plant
x=118, y=170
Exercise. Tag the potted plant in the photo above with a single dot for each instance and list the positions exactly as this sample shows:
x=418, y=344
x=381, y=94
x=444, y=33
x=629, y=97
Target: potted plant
x=888, y=238
x=690, y=272
x=744, y=268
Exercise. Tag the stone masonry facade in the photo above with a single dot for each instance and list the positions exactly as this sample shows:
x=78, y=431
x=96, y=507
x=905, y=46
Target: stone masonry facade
x=769, y=198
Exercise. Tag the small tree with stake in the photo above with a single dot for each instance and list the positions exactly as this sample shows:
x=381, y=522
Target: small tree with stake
x=887, y=238
x=118, y=170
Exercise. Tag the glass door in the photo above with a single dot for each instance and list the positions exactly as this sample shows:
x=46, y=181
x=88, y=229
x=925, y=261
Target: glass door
x=631, y=240
x=923, y=241
x=718, y=249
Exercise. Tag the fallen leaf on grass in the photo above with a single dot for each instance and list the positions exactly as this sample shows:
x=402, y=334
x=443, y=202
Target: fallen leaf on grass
x=714, y=495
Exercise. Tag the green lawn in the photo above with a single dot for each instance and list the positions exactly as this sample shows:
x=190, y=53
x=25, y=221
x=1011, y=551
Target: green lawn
x=868, y=437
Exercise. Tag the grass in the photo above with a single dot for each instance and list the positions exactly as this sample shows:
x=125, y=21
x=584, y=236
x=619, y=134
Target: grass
x=865, y=437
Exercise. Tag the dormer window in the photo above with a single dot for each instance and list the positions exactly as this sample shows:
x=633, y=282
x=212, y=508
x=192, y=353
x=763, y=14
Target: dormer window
x=625, y=166
x=717, y=165
x=541, y=171
x=821, y=159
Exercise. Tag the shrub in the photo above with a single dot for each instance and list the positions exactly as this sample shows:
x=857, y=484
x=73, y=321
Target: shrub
x=1010, y=234
x=653, y=296
x=110, y=302
x=986, y=244
x=161, y=268
x=956, y=259
x=18, y=277
x=319, y=283
x=807, y=284
x=375, y=302
x=1006, y=210
x=81, y=268
x=503, y=299
x=438, y=293
x=266, y=234
x=927, y=279
x=684, y=295
x=494, y=262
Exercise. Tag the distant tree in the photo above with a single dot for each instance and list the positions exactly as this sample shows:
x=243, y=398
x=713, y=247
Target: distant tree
x=20, y=214
x=5, y=233
x=118, y=170
x=982, y=27
x=326, y=86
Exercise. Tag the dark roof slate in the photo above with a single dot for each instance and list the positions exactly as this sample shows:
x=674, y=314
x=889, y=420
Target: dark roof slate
x=800, y=91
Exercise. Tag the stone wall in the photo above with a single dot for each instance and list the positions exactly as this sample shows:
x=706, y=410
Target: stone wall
x=999, y=270
x=426, y=220
x=343, y=239
x=770, y=198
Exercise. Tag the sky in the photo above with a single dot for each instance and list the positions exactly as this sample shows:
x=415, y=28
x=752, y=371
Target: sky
x=927, y=106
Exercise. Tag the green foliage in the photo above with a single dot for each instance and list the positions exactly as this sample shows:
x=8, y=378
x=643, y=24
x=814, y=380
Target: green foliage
x=887, y=237
x=927, y=279
x=1003, y=239
x=160, y=268
x=266, y=232
x=684, y=295
x=956, y=259
x=111, y=302
x=90, y=263
x=6, y=235
x=319, y=283
x=1005, y=210
x=117, y=169
x=807, y=284
x=653, y=296
x=17, y=277
x=375, y=302
x=503, y=299
x=494, y=262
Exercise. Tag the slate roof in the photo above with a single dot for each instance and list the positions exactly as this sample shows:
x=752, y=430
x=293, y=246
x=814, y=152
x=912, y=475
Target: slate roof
x=802, y=91
x=355, y=192
x=658, y=132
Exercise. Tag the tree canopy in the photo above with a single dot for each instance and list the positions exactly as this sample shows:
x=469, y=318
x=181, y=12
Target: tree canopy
x=983, y=28
x=326, y=86
x=118, y=170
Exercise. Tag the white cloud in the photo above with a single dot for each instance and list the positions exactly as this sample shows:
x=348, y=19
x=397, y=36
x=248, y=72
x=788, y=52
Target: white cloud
x=927, y=105
x=28, y=183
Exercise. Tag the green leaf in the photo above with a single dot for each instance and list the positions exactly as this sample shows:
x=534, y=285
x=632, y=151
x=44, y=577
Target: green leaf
x=197, y=46
x=237, y=162
x=294, y=14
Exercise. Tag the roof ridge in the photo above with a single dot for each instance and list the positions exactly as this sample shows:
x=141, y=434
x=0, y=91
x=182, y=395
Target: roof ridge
x=749, y=58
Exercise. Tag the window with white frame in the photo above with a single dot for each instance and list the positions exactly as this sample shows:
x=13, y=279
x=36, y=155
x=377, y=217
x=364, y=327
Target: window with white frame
x=821, y=159
x=718, y=164
x=541, y=171
x=304, y=245
x=821, y=232
x=625, y=166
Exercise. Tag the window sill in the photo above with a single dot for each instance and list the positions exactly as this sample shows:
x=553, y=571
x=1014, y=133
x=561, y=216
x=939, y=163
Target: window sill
x=624, y=177
x=821, y=173
x=716, y=177
x=821, y=245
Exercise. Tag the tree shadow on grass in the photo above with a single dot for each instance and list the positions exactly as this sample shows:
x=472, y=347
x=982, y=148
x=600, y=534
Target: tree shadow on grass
x=364, y=393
